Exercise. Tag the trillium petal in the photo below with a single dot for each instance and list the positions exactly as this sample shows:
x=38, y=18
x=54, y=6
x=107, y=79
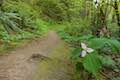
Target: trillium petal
x=90, y=50
x=83, y=54
x=83, y=45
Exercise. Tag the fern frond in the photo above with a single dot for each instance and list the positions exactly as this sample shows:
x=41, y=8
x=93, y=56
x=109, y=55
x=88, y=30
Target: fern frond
x=8, y=20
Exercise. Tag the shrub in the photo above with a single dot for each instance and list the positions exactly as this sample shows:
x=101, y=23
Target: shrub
x=100, y=57
x=27, y=13
x=62, y=10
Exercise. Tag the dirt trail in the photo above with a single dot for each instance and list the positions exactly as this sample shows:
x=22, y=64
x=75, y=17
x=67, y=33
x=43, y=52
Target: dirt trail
x=18, y=65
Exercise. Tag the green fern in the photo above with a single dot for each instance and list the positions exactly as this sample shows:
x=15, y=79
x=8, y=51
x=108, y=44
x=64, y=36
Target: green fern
x=8, y=20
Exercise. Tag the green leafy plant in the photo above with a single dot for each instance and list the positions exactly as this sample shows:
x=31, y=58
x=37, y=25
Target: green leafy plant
x=8, y=20
x=41, y=26
x=26, y=12
x=99, y=43
x=91, y=61
x=94, y=62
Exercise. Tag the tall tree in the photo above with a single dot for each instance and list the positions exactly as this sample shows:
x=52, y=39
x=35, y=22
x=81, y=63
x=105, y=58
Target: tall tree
x=116, y=9
x=99, y=22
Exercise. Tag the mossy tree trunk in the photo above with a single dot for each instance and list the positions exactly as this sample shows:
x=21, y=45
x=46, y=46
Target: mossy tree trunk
x=99, y=24
x=117, y=13
x=116, y=8
x=1, y=3
x=99, y=21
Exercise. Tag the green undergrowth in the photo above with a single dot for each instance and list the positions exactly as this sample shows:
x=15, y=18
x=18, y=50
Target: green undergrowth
x=15, y=42
x=100, y=63
x=9, y=42
x=20, y=21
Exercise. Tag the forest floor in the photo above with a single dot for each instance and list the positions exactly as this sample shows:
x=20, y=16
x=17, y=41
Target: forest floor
x=42, y=59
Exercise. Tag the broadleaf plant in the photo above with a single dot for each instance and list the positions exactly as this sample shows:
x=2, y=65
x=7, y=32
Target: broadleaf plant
x=92, y=63
x=99, y=43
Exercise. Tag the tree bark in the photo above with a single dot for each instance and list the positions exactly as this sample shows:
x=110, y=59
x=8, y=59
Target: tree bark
x=100, y=24
x=116, y=8
x=117, y=12
x=1, y=3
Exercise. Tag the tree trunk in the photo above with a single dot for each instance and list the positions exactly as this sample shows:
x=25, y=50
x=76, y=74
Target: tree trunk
x=117, y=12
x=1, y=3
x=100, y=24
x=116, y=8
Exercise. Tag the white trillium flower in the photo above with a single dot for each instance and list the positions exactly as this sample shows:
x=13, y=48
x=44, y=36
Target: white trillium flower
x=86, y=50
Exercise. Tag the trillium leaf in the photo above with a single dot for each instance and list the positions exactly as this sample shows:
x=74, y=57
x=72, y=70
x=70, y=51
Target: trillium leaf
x=97, y=43
x=76, y=53
x=115, y=45
x=107, y=61
x=92, y=63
